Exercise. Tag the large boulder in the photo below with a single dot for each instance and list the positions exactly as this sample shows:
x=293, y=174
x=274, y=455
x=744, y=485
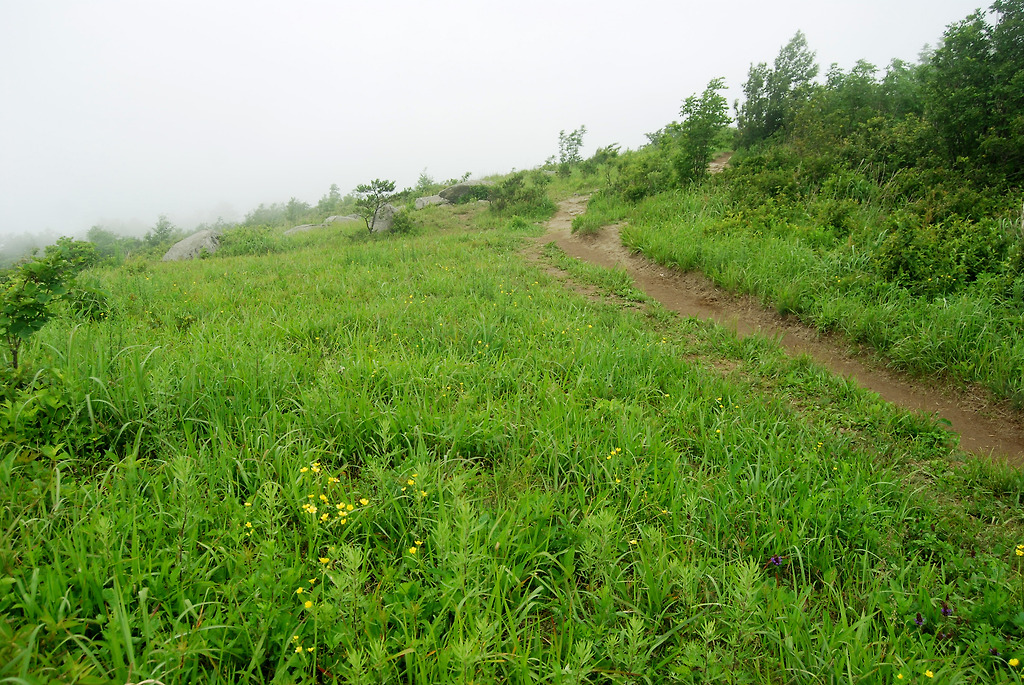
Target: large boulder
x=192, y=246
x=428, y=200
x=301, y=229
x=385, y=218
x=460, y=190
x=338, y=219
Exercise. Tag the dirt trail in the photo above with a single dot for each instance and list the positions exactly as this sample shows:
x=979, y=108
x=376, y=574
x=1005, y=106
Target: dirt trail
x=692, y=294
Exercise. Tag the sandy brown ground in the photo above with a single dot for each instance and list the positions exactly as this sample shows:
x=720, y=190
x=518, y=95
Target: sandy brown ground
x=984, y=427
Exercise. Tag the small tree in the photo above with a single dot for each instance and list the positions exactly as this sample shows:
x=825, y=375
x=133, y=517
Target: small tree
x=371, y=198
x=28, y=291
x=162, y=233
x=569, y=145
x=703, y=118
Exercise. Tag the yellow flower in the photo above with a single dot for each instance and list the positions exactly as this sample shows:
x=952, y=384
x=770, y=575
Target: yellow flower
x=298, y=649
x=303, y=470
x=248, y=525
x=324, y=560
x=332, y=479
x=412, y=550
x=349, y=507
x=364, y=501
x=312, y=581
x=410, y=482
x=899, y=677
x=929, y=674
x=1020, y=552
x=325, y=516
x=248, y=504
x=308, y=604
x=323, y=497
x=1015, y=662
x=419, y=542
x=632, y=542
x=300, y=590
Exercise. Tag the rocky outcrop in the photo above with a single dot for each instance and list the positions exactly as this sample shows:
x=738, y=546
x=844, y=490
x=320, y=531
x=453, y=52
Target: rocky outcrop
x=460, y=190
x=385, y=218
x=193, y=246
x=339, y=219
x=428, y=200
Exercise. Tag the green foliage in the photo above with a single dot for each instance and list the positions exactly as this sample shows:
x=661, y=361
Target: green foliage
x=773, y=95
x=569, y=146
x=517, y=482
x=518, y=223
x=643, y=173
x=371, y=197
x=89, y=299
x=403, y=223
x=704, y=118
x=163, y=234
x=249, y=240
x=523, y=194
x=28, y=292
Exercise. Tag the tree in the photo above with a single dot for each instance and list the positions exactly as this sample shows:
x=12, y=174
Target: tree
x=295, y=209
x=703, y=119
x=974, y=88
x=162, y=233
x=371, y=198
x=28, y=291
x=330, y=202
x=569, y=145
x=772, y=96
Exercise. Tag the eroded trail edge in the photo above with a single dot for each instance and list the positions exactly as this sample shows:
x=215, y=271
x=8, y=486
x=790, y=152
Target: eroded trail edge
x=692, y=294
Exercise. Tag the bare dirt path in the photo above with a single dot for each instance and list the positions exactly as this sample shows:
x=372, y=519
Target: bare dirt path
x=981, y=428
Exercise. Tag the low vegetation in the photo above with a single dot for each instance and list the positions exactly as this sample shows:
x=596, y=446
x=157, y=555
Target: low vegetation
x=418, y=457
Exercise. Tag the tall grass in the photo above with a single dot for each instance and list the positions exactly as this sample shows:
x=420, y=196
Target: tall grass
x=419, y=459
x=968, y=335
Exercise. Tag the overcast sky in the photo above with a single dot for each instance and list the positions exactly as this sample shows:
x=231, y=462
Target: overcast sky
x=115, y=111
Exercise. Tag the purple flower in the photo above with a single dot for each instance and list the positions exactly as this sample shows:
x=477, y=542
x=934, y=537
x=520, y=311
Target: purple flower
x=946, y=610
x=776, y=560
x=993, y=651
x=919, y=621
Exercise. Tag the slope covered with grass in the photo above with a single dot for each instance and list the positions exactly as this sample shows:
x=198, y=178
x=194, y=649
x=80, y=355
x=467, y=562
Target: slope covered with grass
x=419, y=459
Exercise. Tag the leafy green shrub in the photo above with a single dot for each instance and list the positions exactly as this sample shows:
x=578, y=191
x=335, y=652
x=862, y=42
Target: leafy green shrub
x=402, y=223
x=249, y=240
x=475, y=194
x=524, y=195
x=642, y=174
x=937, y=258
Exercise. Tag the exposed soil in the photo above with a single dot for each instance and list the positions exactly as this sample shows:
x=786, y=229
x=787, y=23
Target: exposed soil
x=983, y=427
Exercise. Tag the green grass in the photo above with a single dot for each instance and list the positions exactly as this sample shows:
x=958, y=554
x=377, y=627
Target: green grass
x=511, y=483
x=968, y=335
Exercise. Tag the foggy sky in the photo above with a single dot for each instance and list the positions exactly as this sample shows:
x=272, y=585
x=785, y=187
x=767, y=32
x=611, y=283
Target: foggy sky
x=115, y=111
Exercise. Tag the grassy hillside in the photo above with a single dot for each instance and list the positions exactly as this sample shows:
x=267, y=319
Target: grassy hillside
x=421, y=459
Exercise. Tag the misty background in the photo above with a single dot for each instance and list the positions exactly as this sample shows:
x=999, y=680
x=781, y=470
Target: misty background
x=114, y=112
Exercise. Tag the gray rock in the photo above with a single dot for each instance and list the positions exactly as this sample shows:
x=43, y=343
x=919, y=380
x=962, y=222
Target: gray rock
x=458, y=191
x=385, y=218
x=192, y=246
x=428, y=200
x=338, y=219
x=301, y=229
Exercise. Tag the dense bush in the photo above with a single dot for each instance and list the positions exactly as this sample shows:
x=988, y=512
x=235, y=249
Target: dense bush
x=523, y=194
